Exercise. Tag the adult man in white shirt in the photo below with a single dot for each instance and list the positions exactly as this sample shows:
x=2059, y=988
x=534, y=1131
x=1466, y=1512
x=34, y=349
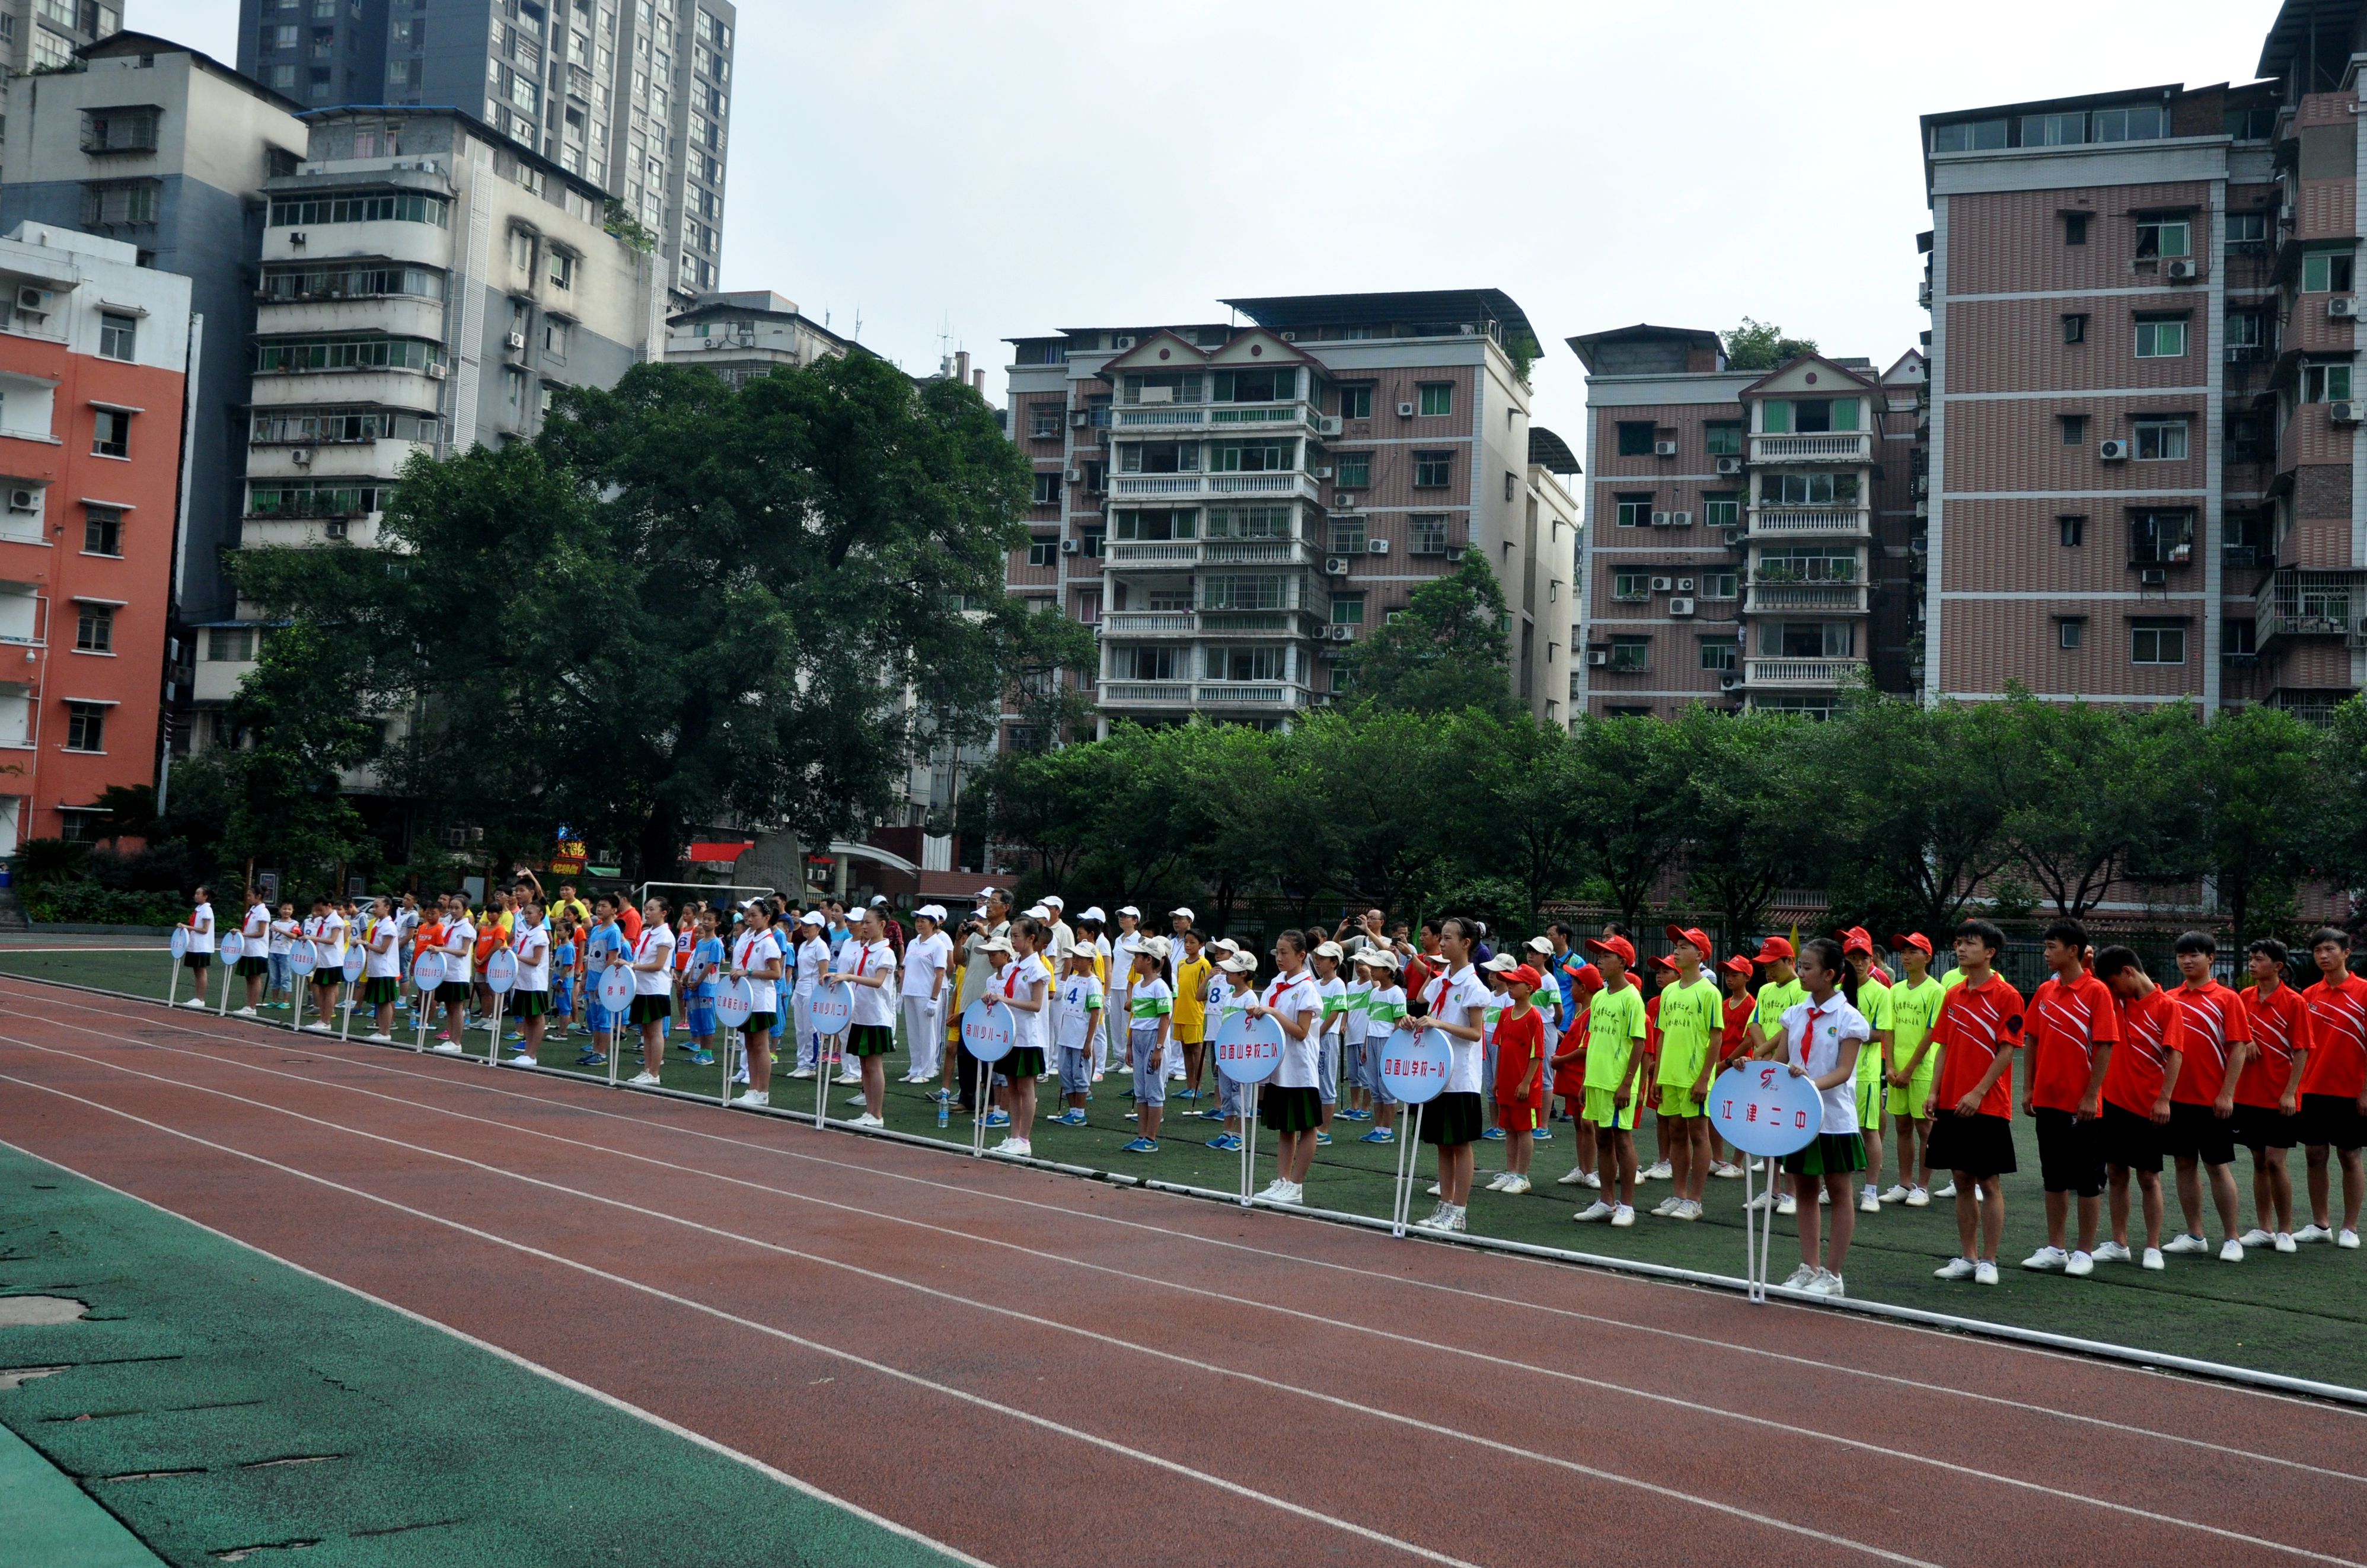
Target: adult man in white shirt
x=812, y=956
x=1064, y=940
x=925, y=958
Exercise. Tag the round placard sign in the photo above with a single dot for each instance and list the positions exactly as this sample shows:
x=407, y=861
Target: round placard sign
x=616, y=989
x=232, y=946
x=988, y=1030
x=1248, y=1049
x=1414, y=1064
x=356, y=959
x=501, y=971
x=1761, y=1108
x=734, y=1000
x=427, y=971
x=832, y=1008
x=302, y=956
x=180, y=942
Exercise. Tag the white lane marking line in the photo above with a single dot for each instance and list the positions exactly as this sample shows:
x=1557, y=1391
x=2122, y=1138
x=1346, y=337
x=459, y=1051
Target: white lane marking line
x=1195, y=1364
x=817, y=1346
x=1056, y=1257
x=1465, y=1293
x=675, y=1428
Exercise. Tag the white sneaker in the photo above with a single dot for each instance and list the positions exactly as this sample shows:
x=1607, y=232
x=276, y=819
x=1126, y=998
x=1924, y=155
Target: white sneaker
x=2310, y=1233
x=1787, y=1204
x=1434, y=1190
x=2347, y=1239
x=1947, y=1191
x=2110, y=1252
x=1826, y=1284
x=1593, y=1180
x=1624, y=1215
x=317, y=1027
x=1436, y=1221
x=803, y=1073
x=2153, y=1260
x=2256, y=1237
x=643, y=1080
x=1293, y=1192
x=1010, y=1147
x=867, y=1120
x=1867, y=1203
x=445, y=1048
x=1275, y=1190
x=1985, y=1272
x=1897, y=1194
x=2079, y=1264
x=1515, y=1187
x=1666, y=1206
x=242, y=1012
x=2231, y=1251
x=1801, y=1276
x=2186, y=1242
x=1918, y=1197
x=1726, y=1170
x=1452, y=1219
x=1759, y=1205
x=1657, y=1171
x=2285, y=1243
x=1598, y=1210
x=2046, y=1260
x=1690, y=1209
x=755, y=1099
x=1498, y=1182
x=522, y=1060
x=379, y=1039
x=1576, y=1178
x=1955, y=1269
x=846, y=1077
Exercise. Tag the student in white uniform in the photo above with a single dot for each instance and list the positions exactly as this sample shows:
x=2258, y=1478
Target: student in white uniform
x=1024, y=986
x=1822, y=1037
x=1123, y=947
x=1076, y=1019
x=1151, y=1019
x=653, y=1010
x=199, y=957
x=1232, y=991
x=866, y=965
x=1330, y=1035
x=285, y=928
x=254, y=951
x=328, y=933
x=529, y=999
x=925, y=960
x=756, y=958
x=381, y=970
x=1290, y=1102
x=812, y=957
x=459, y=951
x=1455, y=1003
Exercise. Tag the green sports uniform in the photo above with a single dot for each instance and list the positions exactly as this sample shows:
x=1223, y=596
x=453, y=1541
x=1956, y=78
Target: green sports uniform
x=1874, y=1004
x=1773, y=999
x=1614, y=1028
x=1912, y=1011
x=1693, y=1022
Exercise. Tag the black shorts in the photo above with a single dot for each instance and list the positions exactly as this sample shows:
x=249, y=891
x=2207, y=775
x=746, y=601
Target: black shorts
x=201, y=962
x=2332, y=1121
x=2130, y=1142
x=2266, y=1127
x=1453, y=1120
x=870, y=1040
x=2070, y=1152
x=650, y=1009
x=2198, y=1132
x=1290, y=1110
x=1979, y=1146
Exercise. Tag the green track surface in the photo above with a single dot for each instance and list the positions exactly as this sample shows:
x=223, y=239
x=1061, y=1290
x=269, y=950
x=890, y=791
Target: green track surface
x=2300, y=1316
x=267, y=1409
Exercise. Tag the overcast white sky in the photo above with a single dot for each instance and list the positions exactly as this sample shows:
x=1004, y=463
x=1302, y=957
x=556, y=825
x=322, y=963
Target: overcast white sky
x=983, y=171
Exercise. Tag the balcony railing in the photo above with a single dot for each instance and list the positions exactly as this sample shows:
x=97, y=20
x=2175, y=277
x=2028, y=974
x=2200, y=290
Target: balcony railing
x=1166, y=555
x=1161, y=416
x=1791, y=672
x=1157, y=484
x=1840, y=447
x=1802, y=522
x=1846, y=597
x=1146, y=623
x=1268, y=695
x=2295, y=603
x=1218, y=416
x=1257, y=552
x=1146, y=694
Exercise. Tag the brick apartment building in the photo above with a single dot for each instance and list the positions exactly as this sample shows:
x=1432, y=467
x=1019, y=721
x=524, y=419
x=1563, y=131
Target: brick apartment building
x=1232, y=505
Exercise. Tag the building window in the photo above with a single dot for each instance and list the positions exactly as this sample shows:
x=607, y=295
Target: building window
x=2326, y=272
x=1433, y=469
x=521, y=250
x=2075, y=326
x=303, y=213
x=1437, y=398
x=85, y=726
x=1721, y=585
x=2075, y=429
x=1806, y=640
x=563, y=270
x=1043, y=549
x=1722, y=509
x=1356, y=402
x=1048, y=488
x=1354, y=468
x=95, y=629
x=1723, y=437
x=1630, y=655
x=1512, y=484
x=1347, y=609
x=111, y=434
x=2156, y=642
x=1635, y=510
x=127, y=202
x=2325, y=383
x=1092, y=543
x=1243, y=663
x=1426, y=534
x=2073, y=531
x=2161, y=337
x=554, y=338
x=2248, y=231
x=1349, y=536
x=2161, y=538
x=230, y=644
x=2132, y=122
x=1636, y=437
x=1258, y=592
x=2160, y=440
x=117, y=335
x=118, y=131
x=2246, y=329
x=1044, y=420
x=2161, y=237
x=2075, y=230
x=2239, y=638
x=2070, y=631
x=1719, y=653
x=102, y=531
x=1808, y=490
x=1631, y=583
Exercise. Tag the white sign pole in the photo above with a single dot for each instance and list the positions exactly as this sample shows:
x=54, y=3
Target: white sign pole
x=174, y=948
x=229, y=957
x=1764, y=1110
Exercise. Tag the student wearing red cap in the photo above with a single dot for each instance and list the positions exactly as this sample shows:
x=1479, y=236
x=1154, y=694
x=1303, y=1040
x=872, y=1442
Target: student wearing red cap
x=1616, y=1033
x=1914, y=1058
x=1734, y=1043
x=1780, y=993
x=1866, y=988
x=1981, y=1024
x=2333, y=1088
x=2074, y=1025
x=1692, y=1025
x=1520, y=1076
x=1664, y=975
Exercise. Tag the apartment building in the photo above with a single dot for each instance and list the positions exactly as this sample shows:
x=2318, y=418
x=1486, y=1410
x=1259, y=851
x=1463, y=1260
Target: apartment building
x=42, y=35
x=747, y=334
x=94, y=387
x=1750, y=529
x=1233, y=504
x=633, y=95
x=156, y=145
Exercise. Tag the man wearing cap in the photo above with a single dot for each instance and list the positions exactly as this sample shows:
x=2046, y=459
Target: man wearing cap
x=1866, y=988
x=1616, y=1033
x=1179, y=920
x=925, y=958
x=810, y=957
x=1062, y=937
x=1693, y=1025
x=991, y=924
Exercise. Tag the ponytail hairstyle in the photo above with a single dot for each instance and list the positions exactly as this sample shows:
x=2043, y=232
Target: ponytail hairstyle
x=1032, y=929
x=1295, y=940
x=1468, y=930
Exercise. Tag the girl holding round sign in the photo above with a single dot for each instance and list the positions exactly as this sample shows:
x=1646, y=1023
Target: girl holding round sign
x=1822, y=1037
x=1025, y=987
x=459, y=951
x=382, y=971
x=197, y=945
x=756, y=963
x=1455, y=1004
x=1292, y=1101
x=254, y=951
x=652, y=1008
x=530, y=993
x=868, y=965
x=1233, y=993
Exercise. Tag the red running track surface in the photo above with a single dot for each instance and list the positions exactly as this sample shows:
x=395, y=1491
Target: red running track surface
x=1033, y=1369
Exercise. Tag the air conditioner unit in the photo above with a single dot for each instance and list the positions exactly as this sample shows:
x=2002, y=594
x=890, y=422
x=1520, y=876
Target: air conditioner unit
x=1345, y=500
x=1337, y=565
x=1661, y=520
x=1323, y=472
x=518, y=343
x=1122, y=341
x=1681, y=607
x=1729, y=465
x=1664, y=449
x=1405, y=410
x=1681, y=519
x=2179, y=271
x=33, y=300
x=1344, y=634
x=1076, y=476
x=2152, y=577
x=1662, y=584
x=1684, y=585
x=1327, y=424
x=2112, y=451
x=1077, y=418
x=1729, y=683
x=1069, y=546
x=1376, y=546
x=1923, y=484
x=300, y=455
x=1290, y=337
x=439, y=370
x=1598, y=656
x=2345, y=413
x=23, y=500
x=2343, y=305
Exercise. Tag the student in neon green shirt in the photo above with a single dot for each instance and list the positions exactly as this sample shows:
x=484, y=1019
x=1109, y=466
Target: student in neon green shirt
x=1867, y=990
x=1914, y=1061
x=1614, y=1037
x=1692, y=1024
x=1783, y=990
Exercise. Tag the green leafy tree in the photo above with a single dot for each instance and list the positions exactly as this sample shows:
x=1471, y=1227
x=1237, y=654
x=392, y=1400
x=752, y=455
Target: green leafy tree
x=2099, y=796
x=1754, y=784
x=1384, y=804
x=1630, y=773
x=1915, y=819
x=1761, y=345
x=288, y=804
x=1536, y=837
x=2260, y=777
x=1446, y=651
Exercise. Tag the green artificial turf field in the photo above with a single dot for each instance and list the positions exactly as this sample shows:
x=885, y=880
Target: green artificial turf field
x=2299, y=1316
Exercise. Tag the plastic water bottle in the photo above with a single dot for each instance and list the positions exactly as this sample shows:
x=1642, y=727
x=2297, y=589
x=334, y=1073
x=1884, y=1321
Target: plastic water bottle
x=945, y=1109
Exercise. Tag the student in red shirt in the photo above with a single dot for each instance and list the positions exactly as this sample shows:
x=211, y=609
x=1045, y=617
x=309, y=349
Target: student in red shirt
x=2137, y=1099
x=1568, y=1069
x=2214, y=1036
x=1972, y=1130
x=2267, y=1091
x=1520, y=1076
x=2333, y=1088
x=2074, y=1024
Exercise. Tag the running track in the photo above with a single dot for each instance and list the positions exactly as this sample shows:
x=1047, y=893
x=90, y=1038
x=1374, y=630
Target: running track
x=1027, y=1368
